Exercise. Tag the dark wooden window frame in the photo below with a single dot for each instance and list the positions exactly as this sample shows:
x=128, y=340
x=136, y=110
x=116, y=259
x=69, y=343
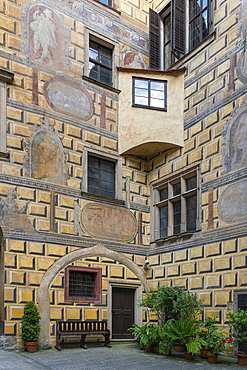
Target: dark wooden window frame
x=97, y=285
x=99, y=64
x=100, y=159
x=149, y=89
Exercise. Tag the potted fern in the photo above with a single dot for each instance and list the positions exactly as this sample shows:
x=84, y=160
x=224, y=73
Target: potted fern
x=30, y=326
x=185, y=331
x=238, y=324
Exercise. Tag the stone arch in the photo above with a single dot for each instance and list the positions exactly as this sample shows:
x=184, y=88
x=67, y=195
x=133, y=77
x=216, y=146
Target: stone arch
x=53, y=271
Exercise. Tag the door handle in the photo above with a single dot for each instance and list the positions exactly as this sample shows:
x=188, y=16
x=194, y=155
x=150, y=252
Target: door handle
x=122, y=312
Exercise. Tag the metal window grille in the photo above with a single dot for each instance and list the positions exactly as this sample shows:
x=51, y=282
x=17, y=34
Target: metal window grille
x=82, y=284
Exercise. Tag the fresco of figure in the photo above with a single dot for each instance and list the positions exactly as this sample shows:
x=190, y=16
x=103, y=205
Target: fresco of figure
x=44, y=33
x=46, y=36
x=239, y=143
x=14, y=218
x=46, y=158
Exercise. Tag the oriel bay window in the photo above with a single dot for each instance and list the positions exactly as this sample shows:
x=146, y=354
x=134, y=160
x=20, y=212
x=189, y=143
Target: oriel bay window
x=176, y=204
x=179, y=28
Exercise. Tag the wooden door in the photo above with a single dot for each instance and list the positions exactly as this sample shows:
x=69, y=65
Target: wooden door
x=122, y=312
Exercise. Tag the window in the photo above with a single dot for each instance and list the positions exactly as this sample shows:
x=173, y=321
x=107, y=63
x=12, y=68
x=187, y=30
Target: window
x=102, y=173
x=100, y=63
x=101, y=177
x=106, y=2
x=149, y=93
x=180, y=27
x=175, y=202
x=83, y=284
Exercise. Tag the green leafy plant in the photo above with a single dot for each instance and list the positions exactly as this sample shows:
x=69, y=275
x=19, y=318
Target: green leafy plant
x=143, y=334
x=30, y=326
x=185, y=331
x=172, y=303
x=165, y=345
x=214, y=337
x=238, y=324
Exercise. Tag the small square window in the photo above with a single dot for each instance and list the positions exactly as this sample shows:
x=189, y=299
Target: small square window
x=82, y=284
x=106, y=2
x=149, y=93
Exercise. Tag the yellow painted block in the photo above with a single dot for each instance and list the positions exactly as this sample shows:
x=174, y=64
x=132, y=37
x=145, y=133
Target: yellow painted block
x=108, y=143
x=73, y=313
x=139, y=260
x=17, y=277
x=10, y=294
x=34, y=278
x=196, y=282
x=213, y=250
x=56, y=250
x=243, y=244
x=229, y=246
x=25, y=295
x=43, y=196
x=130, y=275
x=15, y=312
x=196, y=252
x=222, y=264
x=205, y=266
x=26, y=262
x=8, y=24
x=56, y=313
x=58, y=281
x=10, y=328
x=221, y=298
x=43, y=225
x=181, y=255
x=195, y=129
x=44, y=263
x=66, y=201
x=10, y=260
x=166, y=258
x=180, y=282
x=116, y=272
x=173, y=271
x=92, y=138
x=213, y=281
x=206, y=298
x=60, y=296
x=239, y=262
x=11, y=170
x=188, y=268
x=91, y=314
x=35, y=248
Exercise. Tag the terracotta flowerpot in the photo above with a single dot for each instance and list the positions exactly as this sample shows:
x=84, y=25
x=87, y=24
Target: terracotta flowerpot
x=32, y=346
x=149, y=348
x=188, y=356
x=178, y=348
x=167, y=354
x=212, y=358
x=204, y=352
x=242, y=360
x=155, y=349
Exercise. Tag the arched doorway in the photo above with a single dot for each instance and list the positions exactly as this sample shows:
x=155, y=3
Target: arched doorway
x=53, y=271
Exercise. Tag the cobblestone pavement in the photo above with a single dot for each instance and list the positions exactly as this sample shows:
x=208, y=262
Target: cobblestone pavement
x=121, y=356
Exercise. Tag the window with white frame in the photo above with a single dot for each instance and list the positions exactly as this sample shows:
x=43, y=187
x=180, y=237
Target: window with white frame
x=175, y=201
x=177, y=29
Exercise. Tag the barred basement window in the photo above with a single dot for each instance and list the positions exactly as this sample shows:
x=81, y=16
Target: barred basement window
x=82, y=284
x=176, y=204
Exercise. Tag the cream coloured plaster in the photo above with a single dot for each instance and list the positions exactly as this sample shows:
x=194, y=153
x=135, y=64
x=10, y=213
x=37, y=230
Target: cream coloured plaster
x=144, y=131
x=59, y=265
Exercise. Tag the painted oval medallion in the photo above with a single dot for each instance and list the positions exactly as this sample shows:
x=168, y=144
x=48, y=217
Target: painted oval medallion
x=108, y=222
x=68, y=98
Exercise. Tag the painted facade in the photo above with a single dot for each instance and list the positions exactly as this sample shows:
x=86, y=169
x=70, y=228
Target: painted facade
x=54, y=117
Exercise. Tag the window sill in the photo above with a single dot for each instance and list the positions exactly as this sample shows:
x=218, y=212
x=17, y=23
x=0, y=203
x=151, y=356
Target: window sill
x=146, y=107
x=104, y=6
x=194, y=51
x=89, y=196
x=101, y=84
x=4, y=154
x=175, y=238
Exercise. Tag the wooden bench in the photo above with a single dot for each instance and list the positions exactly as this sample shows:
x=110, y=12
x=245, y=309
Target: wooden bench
x=82, y=328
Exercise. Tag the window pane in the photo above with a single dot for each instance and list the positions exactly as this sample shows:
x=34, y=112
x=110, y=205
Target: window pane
x=191, y=213
x=176, y=217
x=141, y=83
x=108, y=194
x=157, y=86
x=93, y=172
x=105, y=185
x=157, y=103
x=204, y=3
x=105, y=51
x=105, y=80
x=164, y=194
x=157, y=94
x=204, y=24
x=82, y=284
x=195, y=8
x=167, y=28
x=93, y=182
x=141, y=92
x=105, y=71
x=163, y=221
x=106, y=2
x=164, y=211
x=191, y=183
x=105, y=60
x=195, y=33
x=177, y=189
x=93, y=71
x=93, y=162
x=141, y=100
x=107, y=176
